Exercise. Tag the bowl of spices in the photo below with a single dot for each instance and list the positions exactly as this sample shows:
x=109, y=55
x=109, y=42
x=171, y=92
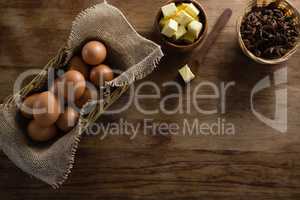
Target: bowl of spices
x=269, y=32
x=181, y=25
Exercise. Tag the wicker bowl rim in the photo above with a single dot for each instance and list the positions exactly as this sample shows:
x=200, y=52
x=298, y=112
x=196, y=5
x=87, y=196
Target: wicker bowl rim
x=263, y=60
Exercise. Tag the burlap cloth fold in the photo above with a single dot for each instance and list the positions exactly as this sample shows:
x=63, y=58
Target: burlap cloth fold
x=132, y=53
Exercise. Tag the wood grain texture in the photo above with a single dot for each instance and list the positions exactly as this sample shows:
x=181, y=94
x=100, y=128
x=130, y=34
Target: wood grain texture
x=256, y=163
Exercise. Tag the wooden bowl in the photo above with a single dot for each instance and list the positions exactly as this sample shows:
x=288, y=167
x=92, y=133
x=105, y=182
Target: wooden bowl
x=290, y=10
x=181, y=47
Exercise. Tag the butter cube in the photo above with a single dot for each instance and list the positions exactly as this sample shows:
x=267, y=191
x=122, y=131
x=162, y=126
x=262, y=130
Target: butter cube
x=191, y=9
x=197, y=18
x=183, y=18
x=170, y=28
x=188, y=37
x=180, y=32
x=181, y=7
x=163, y=22
x=186, y=74
x=195, y=28
x=169, y=10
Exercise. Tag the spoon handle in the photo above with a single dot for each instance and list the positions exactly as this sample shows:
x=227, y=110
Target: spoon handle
x=212, y=36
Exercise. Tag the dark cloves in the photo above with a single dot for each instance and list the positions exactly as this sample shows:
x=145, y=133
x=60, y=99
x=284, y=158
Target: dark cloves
x=268, y=33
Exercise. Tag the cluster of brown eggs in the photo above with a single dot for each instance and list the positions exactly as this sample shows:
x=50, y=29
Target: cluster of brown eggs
x=48, y=112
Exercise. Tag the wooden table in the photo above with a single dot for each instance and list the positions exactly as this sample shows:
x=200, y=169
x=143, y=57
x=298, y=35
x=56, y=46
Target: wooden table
x=257, y=162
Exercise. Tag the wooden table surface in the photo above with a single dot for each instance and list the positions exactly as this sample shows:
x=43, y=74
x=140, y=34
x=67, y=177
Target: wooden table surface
x=257, y=162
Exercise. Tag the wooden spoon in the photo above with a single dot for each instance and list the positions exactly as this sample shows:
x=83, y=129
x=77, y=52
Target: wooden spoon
x=210, y=40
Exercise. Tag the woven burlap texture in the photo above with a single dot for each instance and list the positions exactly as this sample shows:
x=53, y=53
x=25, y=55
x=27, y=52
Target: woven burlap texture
x=132, y=53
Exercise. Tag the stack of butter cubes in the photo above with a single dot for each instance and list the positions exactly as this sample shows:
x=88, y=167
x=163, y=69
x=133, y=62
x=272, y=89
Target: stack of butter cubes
x=181, y=22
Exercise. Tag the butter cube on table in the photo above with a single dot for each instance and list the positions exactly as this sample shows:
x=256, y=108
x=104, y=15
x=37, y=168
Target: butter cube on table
x=186, y=74
x=170, y=28
x=191, y=9
x=194, y=28
x=169, y=10
x=180, y=32
x=183, y=18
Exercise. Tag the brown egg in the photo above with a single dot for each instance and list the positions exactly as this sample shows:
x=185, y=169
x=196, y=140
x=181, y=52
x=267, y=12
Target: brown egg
x=46, y=109
x=93, y=53
x=39, y=133
x=67, y=120
x=76, y=63
x=89, y=94
x=27, y=106
x=100, y=74
x=71, y=85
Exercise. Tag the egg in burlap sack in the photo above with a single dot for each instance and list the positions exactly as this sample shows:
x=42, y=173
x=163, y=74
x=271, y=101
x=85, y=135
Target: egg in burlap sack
x=131, y=53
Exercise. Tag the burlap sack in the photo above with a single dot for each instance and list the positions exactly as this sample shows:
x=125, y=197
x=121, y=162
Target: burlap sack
x=132, y=53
